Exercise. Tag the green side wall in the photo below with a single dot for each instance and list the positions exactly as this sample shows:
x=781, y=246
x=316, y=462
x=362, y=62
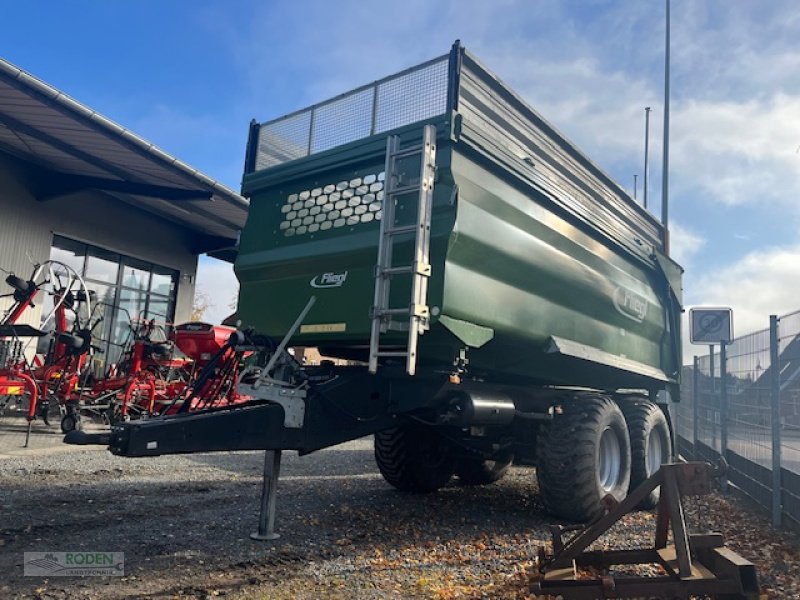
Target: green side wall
x=508, y=273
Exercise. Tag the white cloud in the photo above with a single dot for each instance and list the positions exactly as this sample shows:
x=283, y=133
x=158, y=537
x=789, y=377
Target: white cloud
x=684, y=244
x=760, y=284
x=739, y=152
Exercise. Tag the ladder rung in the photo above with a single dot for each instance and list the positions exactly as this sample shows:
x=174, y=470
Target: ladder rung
x=421, y=269
x=415, y=310
x=400, y=230
x=411, y=151
x=392, y=353
x=402, y=189
x=397, y=270
x=379, y=312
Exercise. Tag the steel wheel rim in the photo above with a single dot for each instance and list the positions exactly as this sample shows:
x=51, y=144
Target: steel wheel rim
x=654, y=454
x=610, y=459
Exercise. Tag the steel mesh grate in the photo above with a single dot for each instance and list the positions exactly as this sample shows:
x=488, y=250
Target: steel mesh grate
x=401, y=102
x=341, y=121
x=748, y=389
x=283, y=140
x=789, y=356
x=749, y=396
x=408, y=97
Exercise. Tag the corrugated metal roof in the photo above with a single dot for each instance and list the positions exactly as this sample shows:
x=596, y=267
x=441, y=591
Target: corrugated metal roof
x=42, y=125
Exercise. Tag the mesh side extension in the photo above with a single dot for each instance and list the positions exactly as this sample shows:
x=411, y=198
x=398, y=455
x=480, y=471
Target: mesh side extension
x=342, y=121
x=414, y=97
x=407, y=97
x=283, y=140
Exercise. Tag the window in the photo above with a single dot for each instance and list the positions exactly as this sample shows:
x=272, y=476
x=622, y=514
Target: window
x=127, y=290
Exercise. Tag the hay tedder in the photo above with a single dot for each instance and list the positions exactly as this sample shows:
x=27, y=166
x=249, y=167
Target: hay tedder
x=150, y=378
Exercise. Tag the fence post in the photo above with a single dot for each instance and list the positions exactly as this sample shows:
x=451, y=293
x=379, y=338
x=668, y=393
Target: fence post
x=775, y=404
x=695, y=405
x=723, y=406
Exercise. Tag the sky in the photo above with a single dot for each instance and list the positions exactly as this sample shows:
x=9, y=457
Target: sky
x=189, y=75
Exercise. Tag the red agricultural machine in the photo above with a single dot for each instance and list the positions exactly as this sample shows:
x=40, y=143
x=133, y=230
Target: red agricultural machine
x=194, y=366
x=24, y=373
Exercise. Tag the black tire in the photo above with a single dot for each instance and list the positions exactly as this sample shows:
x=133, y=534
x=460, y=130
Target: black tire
x=649, y=434
x=70, y=422
x=113, y=413
x=479, y=471
x=573, y=477
x=414, y=458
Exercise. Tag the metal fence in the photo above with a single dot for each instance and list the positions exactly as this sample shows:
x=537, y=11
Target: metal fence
x=742, y=401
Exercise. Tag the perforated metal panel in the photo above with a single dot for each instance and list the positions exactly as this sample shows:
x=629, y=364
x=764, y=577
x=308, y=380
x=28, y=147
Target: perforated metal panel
x=407, y=97
x=332, y=206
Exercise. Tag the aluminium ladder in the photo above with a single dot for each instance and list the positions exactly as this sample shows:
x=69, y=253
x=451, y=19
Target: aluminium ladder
x=386, y=318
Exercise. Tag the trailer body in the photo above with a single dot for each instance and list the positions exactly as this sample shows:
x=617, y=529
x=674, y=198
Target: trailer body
x=543, y=270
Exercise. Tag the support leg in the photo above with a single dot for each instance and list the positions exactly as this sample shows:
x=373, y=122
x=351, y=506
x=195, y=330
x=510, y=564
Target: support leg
x=266, y=519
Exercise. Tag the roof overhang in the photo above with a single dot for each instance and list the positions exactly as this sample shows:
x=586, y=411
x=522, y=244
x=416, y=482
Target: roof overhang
x=80, y=149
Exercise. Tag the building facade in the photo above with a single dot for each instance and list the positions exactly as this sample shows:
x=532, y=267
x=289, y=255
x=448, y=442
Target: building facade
x=126, y=216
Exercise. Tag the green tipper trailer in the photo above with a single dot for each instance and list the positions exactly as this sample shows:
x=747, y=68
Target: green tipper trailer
x=497, y=296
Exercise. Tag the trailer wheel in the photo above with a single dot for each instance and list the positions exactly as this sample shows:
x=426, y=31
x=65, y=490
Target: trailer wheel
x=71, y=422
x=477, y=471
x=650, y=443
x=583, y=455
x=113, y=413
x=414, y=458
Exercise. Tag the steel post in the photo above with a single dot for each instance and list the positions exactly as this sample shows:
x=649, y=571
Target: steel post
x=646, y=151
x=695, y=405
x=711, y=409
x=711, y=370
x=665, y=153
x=266, y=519
x=775, y=398
x=723, y=406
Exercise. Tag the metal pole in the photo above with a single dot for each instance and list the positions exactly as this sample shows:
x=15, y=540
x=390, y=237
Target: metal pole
x=646, y=151
x=723, y=399
x=695, y=405
x=665, y=167
x=711, y=408
x=711, y=368
x=775, y=389
x=635, y=185
x=266, y=518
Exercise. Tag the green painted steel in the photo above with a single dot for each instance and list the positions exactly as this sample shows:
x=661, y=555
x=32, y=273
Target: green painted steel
x=542, y=268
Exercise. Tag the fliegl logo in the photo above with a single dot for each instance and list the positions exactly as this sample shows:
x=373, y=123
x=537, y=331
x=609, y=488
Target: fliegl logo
x=329, y=280
x=630, y=304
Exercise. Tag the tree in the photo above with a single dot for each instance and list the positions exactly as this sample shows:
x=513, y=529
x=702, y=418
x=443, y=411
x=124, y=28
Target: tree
x=200, y=305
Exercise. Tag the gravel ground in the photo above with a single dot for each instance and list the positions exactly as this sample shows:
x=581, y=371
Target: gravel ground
x=183, y=524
